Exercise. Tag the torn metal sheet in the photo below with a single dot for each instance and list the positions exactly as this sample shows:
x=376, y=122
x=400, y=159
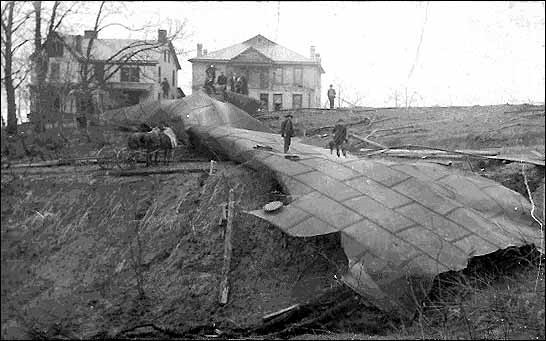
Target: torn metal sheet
x=401, y=223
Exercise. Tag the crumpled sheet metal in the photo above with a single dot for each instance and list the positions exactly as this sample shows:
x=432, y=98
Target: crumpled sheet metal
x=182, y=114
x=401, y=223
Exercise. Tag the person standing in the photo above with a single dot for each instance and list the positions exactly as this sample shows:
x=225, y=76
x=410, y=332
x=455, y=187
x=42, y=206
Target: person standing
x=239, y=85
x=287, y=131
x=232, y=81
x=211, y=72
x=244, y=85
x=165, y=87
x=331, y=96
x=222, y=82
x=340, y=138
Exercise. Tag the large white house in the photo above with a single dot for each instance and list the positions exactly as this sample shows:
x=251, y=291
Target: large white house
x=276, y=75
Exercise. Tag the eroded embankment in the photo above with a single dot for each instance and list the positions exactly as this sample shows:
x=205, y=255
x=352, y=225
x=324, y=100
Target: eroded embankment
x=77, y=250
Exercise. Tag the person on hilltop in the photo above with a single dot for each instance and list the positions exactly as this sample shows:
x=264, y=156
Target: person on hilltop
x=331, y=96
x=287, y=132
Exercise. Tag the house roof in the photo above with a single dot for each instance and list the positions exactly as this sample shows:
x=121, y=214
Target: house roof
x=116, y=50
x=269, y=49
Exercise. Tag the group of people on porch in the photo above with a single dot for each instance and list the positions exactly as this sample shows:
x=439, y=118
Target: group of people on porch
x=236, y=83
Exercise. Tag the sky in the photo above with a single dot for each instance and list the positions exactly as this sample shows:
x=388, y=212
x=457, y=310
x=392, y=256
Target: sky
x=443, y=53
x=374, y=53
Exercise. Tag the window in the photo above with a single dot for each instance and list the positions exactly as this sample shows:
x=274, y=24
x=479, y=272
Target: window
x=264, y=79
x=55, y=71
x=296, y=101
x=174, y=74
x=288, y=77
x=298, y=76
x=55, y=49
x=159, y=74
x=130, y=74
x=99, y=72
x=264, y=98
x=278, y=76
x=277, y=101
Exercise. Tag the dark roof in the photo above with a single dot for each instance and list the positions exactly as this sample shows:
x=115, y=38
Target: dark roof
x=269, y=49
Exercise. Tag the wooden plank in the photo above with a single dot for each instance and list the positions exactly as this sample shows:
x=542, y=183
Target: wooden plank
x=224, y=285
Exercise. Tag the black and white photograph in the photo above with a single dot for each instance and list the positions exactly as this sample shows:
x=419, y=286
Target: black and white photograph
x=272, y=170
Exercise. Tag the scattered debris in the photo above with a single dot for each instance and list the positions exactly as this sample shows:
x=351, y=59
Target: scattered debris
x=273, y=206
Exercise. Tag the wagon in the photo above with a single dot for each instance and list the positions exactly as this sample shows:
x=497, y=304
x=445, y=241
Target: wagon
x=122, y=158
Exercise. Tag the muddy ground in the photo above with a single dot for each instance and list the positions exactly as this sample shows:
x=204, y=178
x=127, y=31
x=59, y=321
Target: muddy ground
x=75, y=245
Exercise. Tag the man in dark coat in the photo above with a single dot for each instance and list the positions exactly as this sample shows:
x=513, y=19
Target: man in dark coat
x=331, y=96
x=244, y=86
x=211, y=72
x=340, y=138
x=165, y=87
x=232, y=80
x=287, y=131
x=222, y=81
x=239, y=85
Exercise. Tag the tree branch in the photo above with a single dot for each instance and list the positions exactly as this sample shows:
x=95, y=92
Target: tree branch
x=52, y=18
x=22, y=79
x=63, y=16
x=18, y=46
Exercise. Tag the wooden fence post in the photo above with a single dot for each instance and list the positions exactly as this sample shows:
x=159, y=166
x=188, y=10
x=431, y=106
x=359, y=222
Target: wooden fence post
x=224, y=285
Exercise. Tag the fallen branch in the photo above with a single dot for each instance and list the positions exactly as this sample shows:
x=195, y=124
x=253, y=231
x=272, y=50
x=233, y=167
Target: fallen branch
x=224, y=285
x=533, y=208
x=494, y=157
x=319, y=129
x=363, y=139
x=434, y=152
x=150, y=171
x=284, y=311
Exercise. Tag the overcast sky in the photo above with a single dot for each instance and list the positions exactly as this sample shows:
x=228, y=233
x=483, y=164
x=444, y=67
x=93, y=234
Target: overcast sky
x=443, y=53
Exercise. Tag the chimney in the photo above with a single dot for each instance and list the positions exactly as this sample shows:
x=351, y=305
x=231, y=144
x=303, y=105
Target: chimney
x=312, y=52
x=88, y=34
x=204, y=52
x=162, y=36
x=317, y=57
x=199, y=49
x=78, y=43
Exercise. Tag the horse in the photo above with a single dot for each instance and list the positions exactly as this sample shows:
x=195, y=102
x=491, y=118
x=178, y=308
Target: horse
x=168, y=142
x=153, y=141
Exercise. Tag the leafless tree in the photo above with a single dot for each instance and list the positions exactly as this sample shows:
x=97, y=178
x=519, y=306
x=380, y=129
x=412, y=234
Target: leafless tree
x=14, y=17
x=57, y=14
x=95, y=72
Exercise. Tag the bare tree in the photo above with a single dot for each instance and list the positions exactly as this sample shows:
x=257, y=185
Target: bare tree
x=95, y=72
x=14, y=17
x=57, y=14
x=89, y=72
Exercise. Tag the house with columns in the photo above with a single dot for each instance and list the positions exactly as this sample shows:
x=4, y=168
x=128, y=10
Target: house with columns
x=276, y=75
